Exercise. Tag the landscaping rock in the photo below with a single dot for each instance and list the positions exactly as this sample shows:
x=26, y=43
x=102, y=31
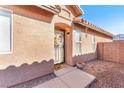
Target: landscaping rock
x=108, y=74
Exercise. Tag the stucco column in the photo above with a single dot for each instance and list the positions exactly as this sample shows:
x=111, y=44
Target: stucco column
x=68, y=47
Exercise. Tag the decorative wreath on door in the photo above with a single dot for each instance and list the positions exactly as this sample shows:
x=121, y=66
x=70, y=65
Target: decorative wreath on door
x=58, y=39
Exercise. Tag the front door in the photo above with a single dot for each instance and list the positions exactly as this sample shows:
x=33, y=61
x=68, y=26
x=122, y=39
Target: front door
x=59, y=46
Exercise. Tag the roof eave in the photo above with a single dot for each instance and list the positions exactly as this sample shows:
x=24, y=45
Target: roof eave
x=50, y=9
x=103, y=32
x=77, y=11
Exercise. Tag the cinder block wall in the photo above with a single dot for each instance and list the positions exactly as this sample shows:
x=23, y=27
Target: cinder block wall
x=111, y=51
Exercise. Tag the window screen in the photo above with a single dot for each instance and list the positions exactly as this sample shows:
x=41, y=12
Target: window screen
x=5, y=31
x=77, y=37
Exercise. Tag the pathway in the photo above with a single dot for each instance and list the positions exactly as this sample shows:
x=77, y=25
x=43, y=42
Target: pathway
x=69, y=77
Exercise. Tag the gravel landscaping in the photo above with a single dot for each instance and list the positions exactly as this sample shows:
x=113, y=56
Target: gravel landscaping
x=35, y=82
x=108, y=74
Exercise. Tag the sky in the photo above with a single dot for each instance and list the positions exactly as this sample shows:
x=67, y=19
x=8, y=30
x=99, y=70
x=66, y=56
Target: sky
x=110, y=18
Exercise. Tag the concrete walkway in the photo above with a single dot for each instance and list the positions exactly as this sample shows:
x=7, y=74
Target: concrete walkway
x=69, y=77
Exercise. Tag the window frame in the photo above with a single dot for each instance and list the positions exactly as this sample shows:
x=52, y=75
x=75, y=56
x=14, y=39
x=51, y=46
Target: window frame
x=11, y=32
x=78, y=42
x=94, y=42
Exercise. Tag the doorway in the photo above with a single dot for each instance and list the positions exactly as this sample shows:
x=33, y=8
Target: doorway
x=59, y=46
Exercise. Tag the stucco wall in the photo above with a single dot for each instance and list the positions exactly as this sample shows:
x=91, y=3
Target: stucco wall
x=32, y=41
x=65, y=16
x=87, y=53
x=102, y=39
x=87, y=45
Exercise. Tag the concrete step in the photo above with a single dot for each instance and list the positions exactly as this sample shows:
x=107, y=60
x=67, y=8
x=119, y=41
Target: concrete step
x=69, y=78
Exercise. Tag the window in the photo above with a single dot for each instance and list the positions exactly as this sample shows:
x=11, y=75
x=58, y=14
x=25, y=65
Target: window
x=77, y=37
x=94, y=43
x=5, y=31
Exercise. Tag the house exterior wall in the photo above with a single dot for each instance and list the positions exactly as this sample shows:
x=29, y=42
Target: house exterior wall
x=87, y=37
x=45, y=35
x=22, y=25
x=40, y=31
x=87, y=51
x=31, y=41
x=65, y=16
x=33, y=47
x=33, y=44
x=87, y=44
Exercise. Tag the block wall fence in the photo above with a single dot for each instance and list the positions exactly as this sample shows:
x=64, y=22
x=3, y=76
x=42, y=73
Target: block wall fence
x=111, y=51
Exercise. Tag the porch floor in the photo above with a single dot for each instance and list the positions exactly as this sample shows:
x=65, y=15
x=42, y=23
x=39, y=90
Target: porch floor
x=69, y=77
x=108, y=74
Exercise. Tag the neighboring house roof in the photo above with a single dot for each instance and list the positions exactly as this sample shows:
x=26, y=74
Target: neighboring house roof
x=119, y=37
x=91, y=26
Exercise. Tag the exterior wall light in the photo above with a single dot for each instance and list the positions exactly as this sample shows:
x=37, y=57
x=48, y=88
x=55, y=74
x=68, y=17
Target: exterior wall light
x=68, y=33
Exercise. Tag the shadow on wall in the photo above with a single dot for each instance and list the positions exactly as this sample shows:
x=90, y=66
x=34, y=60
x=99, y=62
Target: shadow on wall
x=85, y=57
x=15, y=75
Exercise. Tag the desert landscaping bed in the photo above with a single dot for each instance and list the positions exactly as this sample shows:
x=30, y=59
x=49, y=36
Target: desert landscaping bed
x=108, y=74
x=35, y=82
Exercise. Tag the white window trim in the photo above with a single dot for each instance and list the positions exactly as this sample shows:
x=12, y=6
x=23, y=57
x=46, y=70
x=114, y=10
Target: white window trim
x=94, y=43
x=80, y=42
x=11, y=31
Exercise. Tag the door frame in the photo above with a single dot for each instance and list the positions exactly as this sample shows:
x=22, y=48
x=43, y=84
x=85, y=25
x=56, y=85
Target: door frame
x=67, y=41
x=63, y=46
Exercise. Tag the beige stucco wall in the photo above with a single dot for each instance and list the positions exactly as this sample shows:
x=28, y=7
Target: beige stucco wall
x=32, y=41
x=101, y=39
x=66, y=12
x=57, y=19
x=87, y=45
x=63, y=16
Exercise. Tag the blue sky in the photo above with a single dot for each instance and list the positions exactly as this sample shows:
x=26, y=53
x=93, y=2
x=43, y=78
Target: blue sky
x=110, y=18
